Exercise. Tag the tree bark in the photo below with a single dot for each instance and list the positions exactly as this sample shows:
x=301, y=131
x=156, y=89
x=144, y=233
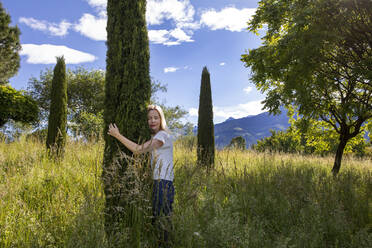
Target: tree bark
x=339, y=153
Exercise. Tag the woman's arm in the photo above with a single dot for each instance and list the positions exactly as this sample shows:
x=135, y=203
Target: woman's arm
x=133, y=147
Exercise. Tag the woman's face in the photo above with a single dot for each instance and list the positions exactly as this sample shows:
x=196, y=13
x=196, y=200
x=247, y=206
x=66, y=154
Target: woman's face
x=153, y=119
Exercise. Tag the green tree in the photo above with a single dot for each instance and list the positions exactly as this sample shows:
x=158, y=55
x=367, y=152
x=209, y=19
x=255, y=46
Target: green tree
x=85, y=93
x=316, y=55
x=127, y=94
x=309, y=136
x=205, y=148
x=9, y=47
x=57, y=121
x=238, y=142
x=16, y=105
x=173, y=115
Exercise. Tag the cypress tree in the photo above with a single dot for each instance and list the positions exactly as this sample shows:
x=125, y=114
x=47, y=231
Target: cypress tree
x=57, y=121
x=205, y=148
x=127, y=93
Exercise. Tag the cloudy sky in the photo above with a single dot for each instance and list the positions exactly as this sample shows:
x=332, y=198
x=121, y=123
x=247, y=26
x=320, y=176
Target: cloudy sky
x=185, y=36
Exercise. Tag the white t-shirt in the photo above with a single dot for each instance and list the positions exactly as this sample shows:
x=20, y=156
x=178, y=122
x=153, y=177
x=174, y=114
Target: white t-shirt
x=163, y=157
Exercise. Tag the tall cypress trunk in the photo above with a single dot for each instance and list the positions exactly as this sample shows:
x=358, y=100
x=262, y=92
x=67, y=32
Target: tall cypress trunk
x=127, y=92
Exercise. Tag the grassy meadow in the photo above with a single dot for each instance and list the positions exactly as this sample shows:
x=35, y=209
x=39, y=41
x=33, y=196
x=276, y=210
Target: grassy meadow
x=249, y=200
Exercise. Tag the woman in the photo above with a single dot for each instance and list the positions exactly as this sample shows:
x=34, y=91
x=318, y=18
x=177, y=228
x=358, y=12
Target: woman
x=161, y=147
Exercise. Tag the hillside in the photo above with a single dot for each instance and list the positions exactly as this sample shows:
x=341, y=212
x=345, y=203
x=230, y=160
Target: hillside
x=251, y=128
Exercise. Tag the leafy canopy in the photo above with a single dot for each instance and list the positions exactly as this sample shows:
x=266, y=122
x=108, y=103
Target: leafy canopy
x=9, y=47
x=316, y=54
x=17, y=106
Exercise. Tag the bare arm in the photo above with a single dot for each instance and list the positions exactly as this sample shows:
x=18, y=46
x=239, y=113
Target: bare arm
x=132, y=146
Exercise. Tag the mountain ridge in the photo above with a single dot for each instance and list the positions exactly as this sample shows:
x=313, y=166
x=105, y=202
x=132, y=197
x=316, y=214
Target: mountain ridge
x=251, y=128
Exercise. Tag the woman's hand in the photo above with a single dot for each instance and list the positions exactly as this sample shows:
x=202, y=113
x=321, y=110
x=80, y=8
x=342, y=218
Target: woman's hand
x=113, y=130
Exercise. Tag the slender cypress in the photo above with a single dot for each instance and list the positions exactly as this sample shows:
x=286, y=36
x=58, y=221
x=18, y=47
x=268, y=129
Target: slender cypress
x=127, y=93
x=205, y=148
x=57, y=122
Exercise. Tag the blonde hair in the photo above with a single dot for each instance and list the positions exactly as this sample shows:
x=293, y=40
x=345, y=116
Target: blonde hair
x=163, y=123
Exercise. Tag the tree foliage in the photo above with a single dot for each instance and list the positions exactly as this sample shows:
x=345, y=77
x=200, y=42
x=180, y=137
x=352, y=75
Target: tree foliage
x=85, y=99
x=14, y=105
x=309, y=136
x=205, y=148
x=316, y=55
x=17, y=106
x=85, y=104
x=127, y=94
x=57, y=122
x=238, y=142
x=173, y=115
x=9, y=47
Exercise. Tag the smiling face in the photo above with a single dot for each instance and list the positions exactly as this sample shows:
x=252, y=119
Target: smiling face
x=153, y=119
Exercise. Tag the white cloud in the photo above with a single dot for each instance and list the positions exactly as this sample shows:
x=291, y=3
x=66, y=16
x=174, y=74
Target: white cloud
x=158, y=36
x=172, y=43
x=93, y=27
x=193, y=112
x=169, y=38
x=180, y=11
x=222, y=63
x=240, y=110
x=170, y=69
x=55, y=29
x=189, y=25
x=237, y=111
x=247, y=89
x=61, y=29
x=46, y=54
x=33, y=23
x=97, y=3
x=229, y=18
x=180, y=35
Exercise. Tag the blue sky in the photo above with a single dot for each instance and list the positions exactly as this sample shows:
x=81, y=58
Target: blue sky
x=185, y=36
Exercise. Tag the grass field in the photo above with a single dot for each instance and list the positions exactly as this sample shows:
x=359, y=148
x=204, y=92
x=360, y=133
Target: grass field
x=248, y=200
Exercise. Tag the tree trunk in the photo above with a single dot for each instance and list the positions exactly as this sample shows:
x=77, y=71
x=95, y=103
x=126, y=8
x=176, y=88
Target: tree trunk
x=339, y=153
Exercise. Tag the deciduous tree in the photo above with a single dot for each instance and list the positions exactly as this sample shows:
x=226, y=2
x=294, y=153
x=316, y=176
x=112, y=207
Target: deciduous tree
x=317, y=55
x=17, y=106
x=238, y=142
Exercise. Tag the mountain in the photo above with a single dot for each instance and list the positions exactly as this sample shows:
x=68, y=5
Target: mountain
x=251, y=128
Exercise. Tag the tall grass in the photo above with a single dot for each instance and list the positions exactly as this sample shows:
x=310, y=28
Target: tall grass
x=248, y=200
